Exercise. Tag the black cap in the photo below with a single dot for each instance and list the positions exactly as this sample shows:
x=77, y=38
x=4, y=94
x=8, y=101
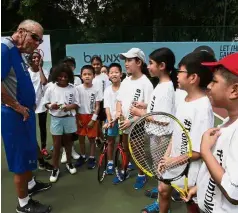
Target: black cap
x=71, y=59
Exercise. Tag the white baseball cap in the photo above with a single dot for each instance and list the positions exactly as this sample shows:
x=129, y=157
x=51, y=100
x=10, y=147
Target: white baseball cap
x=134, y=53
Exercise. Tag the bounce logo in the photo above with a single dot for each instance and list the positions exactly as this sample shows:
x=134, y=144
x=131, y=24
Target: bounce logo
x=109, y=52
x=106, y=58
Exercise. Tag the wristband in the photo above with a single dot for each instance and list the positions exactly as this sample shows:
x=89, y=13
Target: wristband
x=94, y=118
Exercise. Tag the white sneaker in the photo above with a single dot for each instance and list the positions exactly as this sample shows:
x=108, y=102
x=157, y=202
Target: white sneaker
x=74, y=154
x=64, y=157
x=54, y=175
x=72, y=170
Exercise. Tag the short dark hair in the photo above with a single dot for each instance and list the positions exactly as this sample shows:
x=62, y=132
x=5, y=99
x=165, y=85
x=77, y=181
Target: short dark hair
x=88, y=67
x=115, y=65
x=97, y=58
x=60, y=68
x=205, y=49
x=193, y=63
x=229, y=77
x=69, y=59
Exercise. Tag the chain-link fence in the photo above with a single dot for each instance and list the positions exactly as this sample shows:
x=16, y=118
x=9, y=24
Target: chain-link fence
x=60, y=37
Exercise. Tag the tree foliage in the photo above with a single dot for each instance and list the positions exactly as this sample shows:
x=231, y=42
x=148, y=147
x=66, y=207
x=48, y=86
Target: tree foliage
x=84, y=21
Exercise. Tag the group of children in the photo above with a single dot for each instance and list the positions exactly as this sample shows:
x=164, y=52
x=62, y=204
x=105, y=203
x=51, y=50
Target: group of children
x=188, y=92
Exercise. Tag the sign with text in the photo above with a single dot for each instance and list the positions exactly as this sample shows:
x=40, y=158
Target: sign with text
x=109, y=52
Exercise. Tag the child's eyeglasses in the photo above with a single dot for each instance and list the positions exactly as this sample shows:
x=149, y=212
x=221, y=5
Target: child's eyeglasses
x=181, y=71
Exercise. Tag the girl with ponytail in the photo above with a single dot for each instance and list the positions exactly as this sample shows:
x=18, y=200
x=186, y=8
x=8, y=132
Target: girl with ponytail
x=161, y=65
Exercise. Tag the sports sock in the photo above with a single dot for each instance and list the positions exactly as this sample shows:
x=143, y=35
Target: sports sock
x=31, y=184
x=23, y=201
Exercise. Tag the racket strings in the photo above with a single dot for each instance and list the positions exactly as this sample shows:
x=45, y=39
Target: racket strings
x=149, y=141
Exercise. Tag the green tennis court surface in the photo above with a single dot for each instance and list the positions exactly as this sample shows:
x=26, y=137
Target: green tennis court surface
x=82, y=193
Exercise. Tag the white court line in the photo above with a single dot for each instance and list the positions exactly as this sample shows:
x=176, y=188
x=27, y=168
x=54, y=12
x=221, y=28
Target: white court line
x=221, y=118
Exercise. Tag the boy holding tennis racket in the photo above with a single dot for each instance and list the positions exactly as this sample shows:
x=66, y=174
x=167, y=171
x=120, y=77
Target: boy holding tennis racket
x=195, y=113
x=110, y=100
x=137, y=88
x=217, y=183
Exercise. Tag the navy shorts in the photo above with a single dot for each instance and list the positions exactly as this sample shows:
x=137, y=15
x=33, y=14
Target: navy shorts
x=20, y=141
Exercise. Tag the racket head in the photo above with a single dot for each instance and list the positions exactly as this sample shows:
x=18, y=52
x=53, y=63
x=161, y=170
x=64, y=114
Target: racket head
x=149, y=139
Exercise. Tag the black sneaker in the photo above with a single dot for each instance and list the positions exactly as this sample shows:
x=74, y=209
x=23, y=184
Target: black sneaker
x=39, y=187
x=34, y=206
x=46, y=166
x=80, y=161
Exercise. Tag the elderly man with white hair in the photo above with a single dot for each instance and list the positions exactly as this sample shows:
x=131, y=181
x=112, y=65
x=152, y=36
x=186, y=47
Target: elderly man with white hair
x=18, y=116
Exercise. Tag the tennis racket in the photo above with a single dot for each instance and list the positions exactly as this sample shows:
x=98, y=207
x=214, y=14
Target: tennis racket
x=102, y=163
x=121, y=159
x=150, y=141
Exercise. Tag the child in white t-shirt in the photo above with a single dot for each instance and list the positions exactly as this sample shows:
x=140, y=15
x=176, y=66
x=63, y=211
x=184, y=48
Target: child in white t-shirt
x=70, y=61
x=39, y=78
x=101, y=81
x=217, y=182
x=161, y=65
x=195, y=113
x=62, y=100
x=87, y=124
x=137, y=88
x=110, y=101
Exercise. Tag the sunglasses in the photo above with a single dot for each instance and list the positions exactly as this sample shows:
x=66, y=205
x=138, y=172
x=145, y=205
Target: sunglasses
x=34, y=36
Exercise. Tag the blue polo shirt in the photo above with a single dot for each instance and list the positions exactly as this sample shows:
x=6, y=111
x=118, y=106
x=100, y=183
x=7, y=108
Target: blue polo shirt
x=15, y=76
x=19, y=136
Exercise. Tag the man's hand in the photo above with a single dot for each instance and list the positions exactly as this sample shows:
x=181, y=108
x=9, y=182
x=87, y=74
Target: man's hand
x=209, y=139
x=91, y=124
x=24, y=111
